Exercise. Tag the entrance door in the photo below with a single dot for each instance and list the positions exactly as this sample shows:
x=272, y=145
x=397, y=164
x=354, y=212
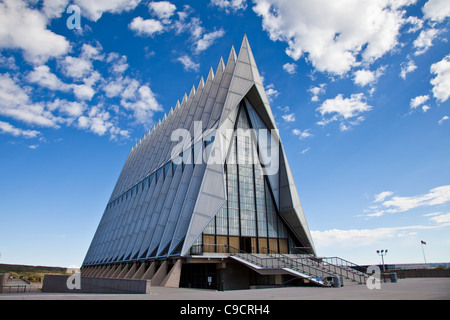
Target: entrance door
x=246, y=244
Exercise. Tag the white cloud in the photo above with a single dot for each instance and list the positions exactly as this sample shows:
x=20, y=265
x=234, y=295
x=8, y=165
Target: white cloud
x=188, y=64
x=305, y=150
x=230, y=5
x=302, y=134
x=425, y=40
x=444, y=118
x=26, y=29
x=93, y=10
x=15, y=103
x=119, y=63
x=365, y=77
x=316, y=91
x=289, y=117
x=54, y=8
x=344, y=109
x=142, y=102
x=290, y=68
x=436, y=10
x=164, y=10
x=441, y=82
x=208, y=39
x=148, y=27
x=73, y=109
x=407, y=67
x=443, y=219
x=435, y=196
x=42, y=76
x=332, y=36
x=271, y=92
x=418, y=101
x=382, y=196
x=75, y=67
x=361, y=237
x=7, y=128
x=416, y=24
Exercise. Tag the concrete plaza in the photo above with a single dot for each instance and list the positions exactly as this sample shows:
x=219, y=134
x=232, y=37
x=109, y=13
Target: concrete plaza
x=404, y=289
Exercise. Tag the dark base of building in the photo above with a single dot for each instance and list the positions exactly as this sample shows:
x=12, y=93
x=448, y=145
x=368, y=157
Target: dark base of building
x=214, y=273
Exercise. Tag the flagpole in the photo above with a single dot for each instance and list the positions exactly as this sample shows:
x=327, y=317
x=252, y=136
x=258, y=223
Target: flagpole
x=423, y=251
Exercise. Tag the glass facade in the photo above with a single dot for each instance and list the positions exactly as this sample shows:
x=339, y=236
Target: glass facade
x=248, y=221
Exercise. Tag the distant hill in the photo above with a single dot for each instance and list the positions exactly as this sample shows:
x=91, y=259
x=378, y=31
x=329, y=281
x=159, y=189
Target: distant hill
x=30, y=273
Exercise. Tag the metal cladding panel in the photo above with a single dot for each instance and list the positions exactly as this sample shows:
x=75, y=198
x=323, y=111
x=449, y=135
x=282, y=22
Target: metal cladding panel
x=211, y=198
x=164, y=220
x=151, y=222
x=159, y=204
x=143, y=220
x=189, y=202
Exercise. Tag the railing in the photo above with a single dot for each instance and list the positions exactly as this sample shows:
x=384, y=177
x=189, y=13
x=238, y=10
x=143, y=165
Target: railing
x=302, y=265
x=18, y=288
x=342, y=266
x=327, y=267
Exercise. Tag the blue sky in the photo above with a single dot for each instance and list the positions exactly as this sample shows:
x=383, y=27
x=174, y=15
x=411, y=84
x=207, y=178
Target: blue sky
x=359, y=90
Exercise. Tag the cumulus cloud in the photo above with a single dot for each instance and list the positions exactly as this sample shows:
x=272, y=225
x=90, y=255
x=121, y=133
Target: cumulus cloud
x=188, y=64
x=93, y=10
x=208, y=39
x=230, y=5
x=7, y=128
x=419, y=101
x=441, y=81
x=334, y=37
x=316, y=91
x=367, y=77
x=407, y=67
x=42, y=76
x=16, y=103
x=164, y=10
x=425, y=40
x=25, y=29
x=142, y=102
x=344, y=110
x=146, y=27
x=436, y=10
x=290, y=68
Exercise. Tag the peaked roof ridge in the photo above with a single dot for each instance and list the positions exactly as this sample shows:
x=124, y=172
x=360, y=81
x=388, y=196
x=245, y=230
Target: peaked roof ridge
x=187, y=99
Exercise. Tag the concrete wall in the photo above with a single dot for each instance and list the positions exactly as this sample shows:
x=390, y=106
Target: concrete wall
x=235, y=277
x=58, y=284
x=3, y=278
x=422, y=273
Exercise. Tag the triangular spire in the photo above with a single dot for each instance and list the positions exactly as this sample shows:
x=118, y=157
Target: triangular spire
x=210, y=75
x=201, y=84
x=232, y=56
x=192, y=93
x=220, y=66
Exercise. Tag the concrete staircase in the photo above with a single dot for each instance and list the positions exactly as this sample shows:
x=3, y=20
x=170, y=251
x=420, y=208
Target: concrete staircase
x=319, y=271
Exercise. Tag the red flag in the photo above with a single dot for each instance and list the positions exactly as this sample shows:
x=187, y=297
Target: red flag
x=423, y=242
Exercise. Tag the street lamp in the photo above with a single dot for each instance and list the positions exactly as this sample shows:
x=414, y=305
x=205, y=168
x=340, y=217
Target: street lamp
x=382, y=253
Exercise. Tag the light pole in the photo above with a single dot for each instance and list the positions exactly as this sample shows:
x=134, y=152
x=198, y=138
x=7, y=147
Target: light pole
x=382, y=253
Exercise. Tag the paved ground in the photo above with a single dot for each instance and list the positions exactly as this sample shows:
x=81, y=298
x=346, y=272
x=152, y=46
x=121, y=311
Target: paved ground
x=405, y=289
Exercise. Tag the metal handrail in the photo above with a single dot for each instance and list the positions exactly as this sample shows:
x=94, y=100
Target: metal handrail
x=348, y=266
x=302, y=264
x=299, y=265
